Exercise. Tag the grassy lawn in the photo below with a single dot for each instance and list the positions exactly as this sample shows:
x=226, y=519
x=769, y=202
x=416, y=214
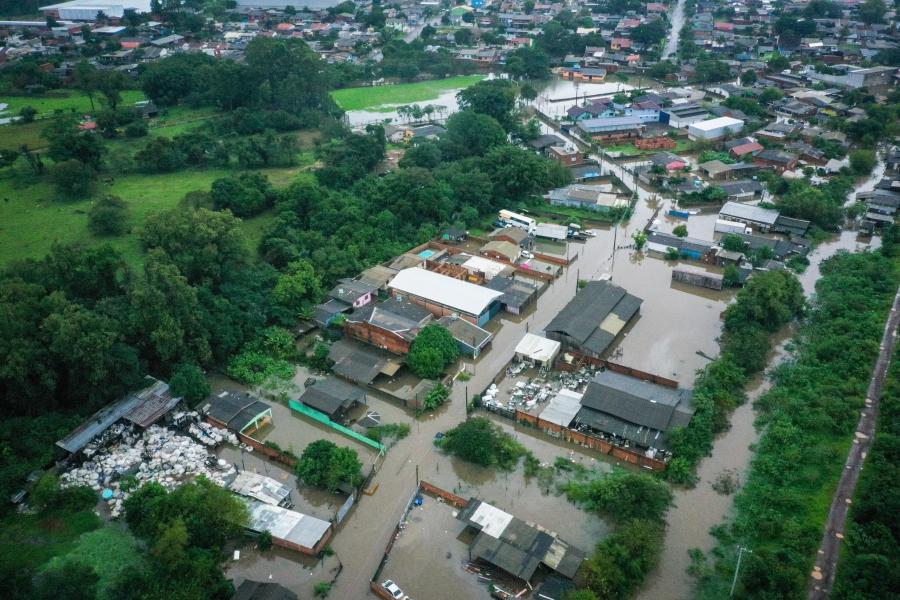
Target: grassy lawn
x=623, y=149
x=65, y=101
x=29, y=541
x=13, y=136
x=109, y=550
x=32, y=219
x=404, y=93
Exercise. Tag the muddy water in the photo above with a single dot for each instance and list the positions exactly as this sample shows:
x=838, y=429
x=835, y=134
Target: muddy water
x=675, y=32
x=697, y=510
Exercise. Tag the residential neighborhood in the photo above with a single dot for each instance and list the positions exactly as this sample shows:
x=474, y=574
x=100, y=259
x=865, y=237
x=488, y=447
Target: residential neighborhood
x=427, y=299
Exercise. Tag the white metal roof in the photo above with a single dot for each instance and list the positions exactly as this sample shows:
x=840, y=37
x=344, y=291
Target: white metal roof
x=289, y=525
x=141, y=6
x=538, y=348
x=490, y=268
x=492, y=520
x=748, y=212
x=460, y=295
x=713, y=124
x=563, y=408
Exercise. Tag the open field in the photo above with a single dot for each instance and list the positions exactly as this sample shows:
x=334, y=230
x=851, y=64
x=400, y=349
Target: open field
x=108, y=550
x=32, y=219
x=404, y=93
x=29, y=541
x=67, y=102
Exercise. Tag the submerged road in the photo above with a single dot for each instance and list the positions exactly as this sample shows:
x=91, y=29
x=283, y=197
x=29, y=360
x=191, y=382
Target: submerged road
x=822, y=577
x=675, y=34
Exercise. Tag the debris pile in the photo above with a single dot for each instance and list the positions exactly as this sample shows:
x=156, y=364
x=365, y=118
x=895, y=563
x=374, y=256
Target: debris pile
x=527, y=393
x=129, y=459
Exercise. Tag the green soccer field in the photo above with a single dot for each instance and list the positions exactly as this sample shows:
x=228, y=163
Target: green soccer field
x=403, y=93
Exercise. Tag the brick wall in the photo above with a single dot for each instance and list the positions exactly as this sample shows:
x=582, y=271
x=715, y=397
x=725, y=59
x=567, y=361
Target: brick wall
x=589, y=441
x=376, y=336
x=453, y=499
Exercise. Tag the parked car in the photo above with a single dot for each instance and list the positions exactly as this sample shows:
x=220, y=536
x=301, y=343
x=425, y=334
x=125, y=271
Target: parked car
x=393, y=589
x=526, y=254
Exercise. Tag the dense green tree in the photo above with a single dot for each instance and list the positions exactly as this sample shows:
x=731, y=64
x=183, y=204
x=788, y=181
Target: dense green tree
x=431, y=351
x=72, y=580
x=72, y=178
x=680, y=230
x=160, y=155
x=872, y=12
x=66, y=142
x=189, y=382
x=862, y=161
x=623, y=495
x=108, y=216
x=493, y=97
x=298, y=287
x=479, y=441
x=471, y=134
x=246, y=195
x=205, y=245
x=649, y=34
x=528, y=62
x=324, y=464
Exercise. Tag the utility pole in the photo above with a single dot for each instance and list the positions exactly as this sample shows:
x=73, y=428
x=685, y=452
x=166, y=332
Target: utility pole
x=737, y=568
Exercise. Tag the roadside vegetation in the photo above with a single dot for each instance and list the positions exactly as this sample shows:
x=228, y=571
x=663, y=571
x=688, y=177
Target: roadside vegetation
x=479, y=441
x=869, y=561
x=636, y=503
x=769, y=301
x=807, y=420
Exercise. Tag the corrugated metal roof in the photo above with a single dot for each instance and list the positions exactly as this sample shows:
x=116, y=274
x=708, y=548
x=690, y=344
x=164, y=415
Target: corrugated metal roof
x=297, y=528
x=331, y=395
x=460, y=295
x=562, y=409
x=636, y=401
x=749, y=212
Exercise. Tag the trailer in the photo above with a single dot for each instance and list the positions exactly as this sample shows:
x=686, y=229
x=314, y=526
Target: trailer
x=551, y=231
x=726, y=226
x=698, y=278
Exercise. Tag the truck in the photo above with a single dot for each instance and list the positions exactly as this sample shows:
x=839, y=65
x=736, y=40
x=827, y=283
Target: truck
x=726, y=226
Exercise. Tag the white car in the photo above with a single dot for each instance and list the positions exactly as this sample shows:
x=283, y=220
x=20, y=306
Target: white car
x=526, y=254
x=393, y=589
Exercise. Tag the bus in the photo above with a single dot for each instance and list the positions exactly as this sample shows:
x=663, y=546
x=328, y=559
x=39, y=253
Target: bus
x=517, y=220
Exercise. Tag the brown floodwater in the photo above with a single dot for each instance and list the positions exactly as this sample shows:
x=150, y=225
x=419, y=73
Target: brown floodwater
x=697, y=510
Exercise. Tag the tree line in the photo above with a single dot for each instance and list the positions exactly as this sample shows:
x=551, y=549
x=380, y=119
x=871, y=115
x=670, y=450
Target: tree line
x=807, y=419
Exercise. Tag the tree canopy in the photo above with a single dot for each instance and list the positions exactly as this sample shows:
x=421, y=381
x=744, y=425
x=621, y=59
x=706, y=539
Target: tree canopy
x=431, y=351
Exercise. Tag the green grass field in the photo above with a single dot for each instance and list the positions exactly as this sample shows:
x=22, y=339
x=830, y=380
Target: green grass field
x=404, y=93
x=32, y=219
x=67, y=102
x=108, y=550
x=29, y=541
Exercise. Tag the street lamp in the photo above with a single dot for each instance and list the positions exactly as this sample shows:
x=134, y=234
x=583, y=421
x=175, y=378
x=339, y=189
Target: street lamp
x=737, y=568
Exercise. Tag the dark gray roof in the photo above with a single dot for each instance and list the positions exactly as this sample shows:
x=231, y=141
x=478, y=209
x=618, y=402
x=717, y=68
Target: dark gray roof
x=142, y=407
x=791, y=225
x=235, y=409
x=545, y=141
x=358, y=362
x=258, y=590
x=465, y=332
x=516, y=293
x=331, y=396
x=349, y=290
x=580, y=320
x=402, y=317
x=741, y=187
x=617, y=403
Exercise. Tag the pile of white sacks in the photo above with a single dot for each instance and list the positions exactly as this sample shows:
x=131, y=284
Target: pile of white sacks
x=157, y=455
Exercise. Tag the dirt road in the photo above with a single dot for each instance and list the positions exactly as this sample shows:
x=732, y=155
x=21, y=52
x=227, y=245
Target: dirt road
x=822, y=577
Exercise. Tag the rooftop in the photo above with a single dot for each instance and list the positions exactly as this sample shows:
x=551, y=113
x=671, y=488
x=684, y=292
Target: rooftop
x=237, y=410
x=596, y=315
x=464, y=296
x=749, y=212
x=331, y=395
x=294, y=527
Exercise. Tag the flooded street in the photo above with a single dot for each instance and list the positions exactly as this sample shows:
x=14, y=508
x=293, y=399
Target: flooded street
x=697, y=510
x=675, y=32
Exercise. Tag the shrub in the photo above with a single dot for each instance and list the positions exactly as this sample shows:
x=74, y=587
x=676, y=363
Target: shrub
x=479, y=441
x=108, y=216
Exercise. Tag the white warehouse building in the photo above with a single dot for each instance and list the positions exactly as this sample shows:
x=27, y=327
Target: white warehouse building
x=714, y=129
x=87, y=10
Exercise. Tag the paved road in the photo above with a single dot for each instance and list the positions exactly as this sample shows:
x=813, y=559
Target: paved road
x=822, y=577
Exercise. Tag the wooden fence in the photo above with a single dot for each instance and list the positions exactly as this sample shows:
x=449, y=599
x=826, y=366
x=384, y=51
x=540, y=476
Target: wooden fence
x=434, y=490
